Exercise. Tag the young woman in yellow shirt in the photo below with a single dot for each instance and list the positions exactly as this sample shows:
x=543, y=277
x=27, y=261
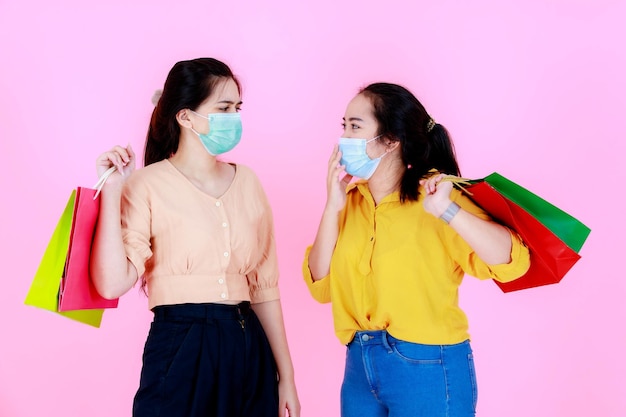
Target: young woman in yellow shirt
x=390, y=253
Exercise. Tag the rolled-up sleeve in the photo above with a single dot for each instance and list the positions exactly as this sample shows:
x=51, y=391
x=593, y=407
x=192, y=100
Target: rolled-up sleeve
x=473, y=265
x=135, y=215
x=263, y=279
x=320, y=289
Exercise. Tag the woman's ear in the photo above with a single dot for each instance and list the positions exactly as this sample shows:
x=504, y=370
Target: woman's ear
x=182, y=117
x=391, y=145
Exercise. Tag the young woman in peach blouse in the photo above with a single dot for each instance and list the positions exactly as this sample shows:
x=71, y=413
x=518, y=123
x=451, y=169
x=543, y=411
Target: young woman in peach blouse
x=198, y=234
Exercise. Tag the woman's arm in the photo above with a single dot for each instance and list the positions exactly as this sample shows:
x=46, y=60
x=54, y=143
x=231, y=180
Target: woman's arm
x=270, y=315
x=328, y=230
x=324, y=244
x=489, y=240
x=111, y=271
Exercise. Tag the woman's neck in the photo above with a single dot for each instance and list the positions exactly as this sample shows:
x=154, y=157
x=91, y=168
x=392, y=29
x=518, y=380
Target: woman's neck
x=199, y=167
x=206, y=173
x=194, y=161
x=386, y=179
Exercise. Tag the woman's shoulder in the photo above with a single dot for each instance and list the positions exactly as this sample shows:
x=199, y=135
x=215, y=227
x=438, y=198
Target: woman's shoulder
x=246, y=175
x=150, y=172
x=247, y=183
x=244, y=170
x=149, y=177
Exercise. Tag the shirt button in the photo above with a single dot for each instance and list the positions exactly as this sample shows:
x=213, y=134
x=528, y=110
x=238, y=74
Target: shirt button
x=218, y=203
x=221, y=280
x=223, y=295
x=365, y=337
x=224, y=224
x=225, y=254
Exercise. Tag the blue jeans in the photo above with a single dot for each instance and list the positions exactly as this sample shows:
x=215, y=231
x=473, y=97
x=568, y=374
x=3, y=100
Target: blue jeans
x=388, y=377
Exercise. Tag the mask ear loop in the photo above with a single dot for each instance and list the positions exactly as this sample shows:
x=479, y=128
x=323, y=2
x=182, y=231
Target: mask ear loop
x=372, y=139
x=368, y=141
x=102, y=180
x=199, y=115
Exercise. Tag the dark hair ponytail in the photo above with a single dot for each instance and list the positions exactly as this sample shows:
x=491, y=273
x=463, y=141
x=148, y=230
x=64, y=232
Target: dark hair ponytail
x=424, y=144
x=442, y=156
x=188, y=84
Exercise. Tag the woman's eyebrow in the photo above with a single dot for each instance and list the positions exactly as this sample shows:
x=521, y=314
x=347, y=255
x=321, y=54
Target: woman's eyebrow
x=230, y=102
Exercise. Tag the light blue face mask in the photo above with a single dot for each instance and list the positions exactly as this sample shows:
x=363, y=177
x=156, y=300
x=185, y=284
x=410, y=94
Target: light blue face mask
x=354, y=157
x=224, y=132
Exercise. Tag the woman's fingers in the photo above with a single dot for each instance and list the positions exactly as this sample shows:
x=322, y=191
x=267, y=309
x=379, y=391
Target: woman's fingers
x=335, y=157
x=131, y=153
x=334, y=169
x=430, y=184
x=122, y=153
x=118, y=156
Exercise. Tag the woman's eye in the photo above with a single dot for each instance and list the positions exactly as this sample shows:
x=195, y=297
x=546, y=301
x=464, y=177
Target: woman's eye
x=354, y=127
x=223, y=108
x=238, y=109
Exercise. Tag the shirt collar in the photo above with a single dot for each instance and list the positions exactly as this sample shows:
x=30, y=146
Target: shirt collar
x=364, y=189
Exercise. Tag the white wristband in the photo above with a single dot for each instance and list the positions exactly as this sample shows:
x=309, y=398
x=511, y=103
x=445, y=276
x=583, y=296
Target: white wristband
x=450, y=212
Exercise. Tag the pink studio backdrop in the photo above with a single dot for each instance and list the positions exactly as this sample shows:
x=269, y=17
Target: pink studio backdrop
x=531, y=89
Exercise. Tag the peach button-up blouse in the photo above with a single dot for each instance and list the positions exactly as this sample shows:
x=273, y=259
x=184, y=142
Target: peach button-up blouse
x=193, y=248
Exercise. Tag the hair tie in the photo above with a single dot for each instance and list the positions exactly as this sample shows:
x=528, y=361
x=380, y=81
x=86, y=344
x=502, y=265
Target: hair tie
x=156, y=97
x=431, y=124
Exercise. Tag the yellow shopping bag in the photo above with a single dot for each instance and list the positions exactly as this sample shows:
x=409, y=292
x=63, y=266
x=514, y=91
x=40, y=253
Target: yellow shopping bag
x=44, y=290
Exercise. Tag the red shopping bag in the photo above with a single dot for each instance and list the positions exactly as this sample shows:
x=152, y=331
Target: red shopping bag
x=553, y=237
x=44, y=289
x=62, y=283
x=77, y=291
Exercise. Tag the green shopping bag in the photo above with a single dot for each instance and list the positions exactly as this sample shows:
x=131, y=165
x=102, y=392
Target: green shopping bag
x=570, y=230
x=44, y=290
x=553, y=237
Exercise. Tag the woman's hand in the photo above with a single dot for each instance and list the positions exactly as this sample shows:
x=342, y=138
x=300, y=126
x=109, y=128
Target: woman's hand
x=335, y=183
x=111, y=271
x=328, y=230
x=288, y=399
x=120, y=157
x=491, y=241
x=437, y=197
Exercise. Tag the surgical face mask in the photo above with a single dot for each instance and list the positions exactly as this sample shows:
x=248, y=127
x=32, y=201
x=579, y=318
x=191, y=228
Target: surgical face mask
x=354, y=157
x=224, y=132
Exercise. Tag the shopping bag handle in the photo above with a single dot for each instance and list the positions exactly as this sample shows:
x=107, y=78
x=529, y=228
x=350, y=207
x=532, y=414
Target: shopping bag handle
x=102, y=180
x=458, y=182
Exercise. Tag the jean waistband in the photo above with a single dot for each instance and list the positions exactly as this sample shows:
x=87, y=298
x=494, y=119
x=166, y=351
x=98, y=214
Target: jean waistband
x=371, y=337
x=201, y=312
x=382, y=337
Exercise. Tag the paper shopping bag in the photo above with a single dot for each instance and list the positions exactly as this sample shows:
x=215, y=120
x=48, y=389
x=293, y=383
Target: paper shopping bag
x=553, y=237
x=77, y=291
x=44, y=290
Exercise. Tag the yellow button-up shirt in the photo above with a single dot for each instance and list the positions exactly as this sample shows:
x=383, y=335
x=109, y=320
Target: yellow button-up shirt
x=397, y=267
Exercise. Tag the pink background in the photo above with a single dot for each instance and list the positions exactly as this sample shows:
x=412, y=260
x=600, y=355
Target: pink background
x=532, y=89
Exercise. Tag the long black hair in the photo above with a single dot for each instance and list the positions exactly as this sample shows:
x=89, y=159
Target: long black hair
x=188, y=84
x=424, y=143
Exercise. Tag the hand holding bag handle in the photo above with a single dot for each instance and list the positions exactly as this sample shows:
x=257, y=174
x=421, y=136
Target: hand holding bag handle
x=553, y=236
